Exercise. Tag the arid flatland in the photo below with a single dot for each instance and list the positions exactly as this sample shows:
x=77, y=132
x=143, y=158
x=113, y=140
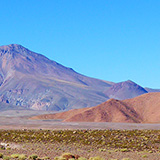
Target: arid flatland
x=52, y=138
x=19, y=119
x=107, y=144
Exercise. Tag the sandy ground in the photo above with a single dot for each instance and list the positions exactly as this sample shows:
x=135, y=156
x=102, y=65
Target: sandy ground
x=17, y=123
x=52, y=143
x=20, y=119
x=55, y=150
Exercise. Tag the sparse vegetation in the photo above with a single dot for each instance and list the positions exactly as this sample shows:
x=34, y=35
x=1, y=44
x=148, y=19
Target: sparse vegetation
x=33, y=156
x=144, y=156
x=6, y=158
x=96, y=158
x=1, y=155
x=22, y=157
x=85, y=144
x=14, y=155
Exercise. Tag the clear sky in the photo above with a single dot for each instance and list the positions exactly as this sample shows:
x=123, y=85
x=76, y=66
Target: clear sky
x=113, y=40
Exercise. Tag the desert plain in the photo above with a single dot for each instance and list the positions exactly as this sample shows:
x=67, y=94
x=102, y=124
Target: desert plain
x=24, y=138
x=34, y=89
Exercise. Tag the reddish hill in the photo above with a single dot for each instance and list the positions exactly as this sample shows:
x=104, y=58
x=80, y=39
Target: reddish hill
x=146, y=105
x=142, y=109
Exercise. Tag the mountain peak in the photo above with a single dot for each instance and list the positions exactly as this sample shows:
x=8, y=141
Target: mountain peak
x=12, y=49
x=125, y=90
x=12, y=46
x=129, y=81
x=30, y=79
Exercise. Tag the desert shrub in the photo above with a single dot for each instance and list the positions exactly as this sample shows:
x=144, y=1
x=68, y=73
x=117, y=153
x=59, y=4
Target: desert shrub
x=22, y=157
x=1, y=155
x=82, y=158
x=33, y=156
x=144, y=156
x=102, y=150
x=68, y=156
x=59, y=158
x=14, y=156
x=124, y=150
x=44, y=158
x=6, y=158
x=96, y=158
x=2, y=147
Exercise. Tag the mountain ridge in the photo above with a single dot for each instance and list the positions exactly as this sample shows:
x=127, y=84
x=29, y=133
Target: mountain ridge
x=44, y=84
x=125, y=90
x=33, y=81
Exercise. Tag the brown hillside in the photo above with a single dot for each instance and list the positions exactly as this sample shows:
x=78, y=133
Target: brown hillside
x=142, y=109
x=109, y=111
x=147, y=105
x=61, y=115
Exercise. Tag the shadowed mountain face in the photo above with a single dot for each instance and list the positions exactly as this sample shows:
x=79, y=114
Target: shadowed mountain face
x=32, y=81
x=141, y=109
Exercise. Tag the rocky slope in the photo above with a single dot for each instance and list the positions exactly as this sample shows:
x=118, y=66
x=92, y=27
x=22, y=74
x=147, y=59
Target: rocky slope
x=32, y=81
x=142, y=109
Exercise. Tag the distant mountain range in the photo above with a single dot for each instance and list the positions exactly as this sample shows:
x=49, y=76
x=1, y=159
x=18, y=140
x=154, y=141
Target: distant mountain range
x=141, y=109
x=29, y=80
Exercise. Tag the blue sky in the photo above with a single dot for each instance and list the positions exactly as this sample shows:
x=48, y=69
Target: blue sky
x=113, y=40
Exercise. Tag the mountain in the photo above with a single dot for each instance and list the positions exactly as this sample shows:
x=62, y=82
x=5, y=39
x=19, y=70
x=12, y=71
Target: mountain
x=125, y=90
x=152, y=90
x=33, y=81
x=141, y=109
x=30, y=80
